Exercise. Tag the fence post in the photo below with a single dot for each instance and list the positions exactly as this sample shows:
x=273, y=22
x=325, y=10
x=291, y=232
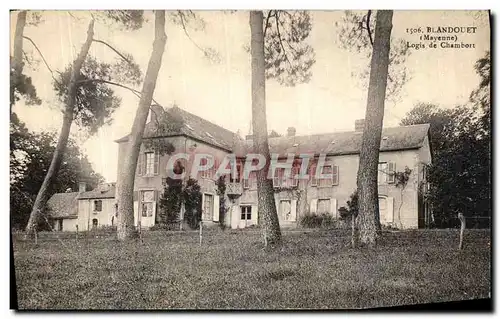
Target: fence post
x=76, y=232
x=35, y=232
x=201, y=231
x=462, y=229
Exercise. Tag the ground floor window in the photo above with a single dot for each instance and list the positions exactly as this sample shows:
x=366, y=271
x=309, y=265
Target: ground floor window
x=147, y=203
x=323, y=206
x=60, y=224
x=246, y=212
x=286, y=209
x=95, y=222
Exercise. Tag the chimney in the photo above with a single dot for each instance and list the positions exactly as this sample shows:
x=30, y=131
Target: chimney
x=82, y=187
x=156, y=112
x=359, y=125
x=249, y=137
x=290, y=131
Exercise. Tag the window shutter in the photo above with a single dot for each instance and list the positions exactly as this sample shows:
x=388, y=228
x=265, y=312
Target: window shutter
x=293, y=210
x=390, y=209
x=312, y=173
x=255, y=212
x=136, y=196
x=333, y=207
x=136, y=212
x=391, y=168
x=335, y=172
x=313, y=207
x=216, y=208
x=202, y=206
x=140, y=164
x=155, y=204
x=157, y=163
x=277, y=202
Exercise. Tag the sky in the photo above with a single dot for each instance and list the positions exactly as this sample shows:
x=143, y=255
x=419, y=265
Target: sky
x=220, y=92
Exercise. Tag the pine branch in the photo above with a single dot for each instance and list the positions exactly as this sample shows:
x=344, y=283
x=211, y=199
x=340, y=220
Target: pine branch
x=279, y=38
x=267, y=21
x=136, y=92
x=43, y=58
x=115, y=50
x=368, y=26
x=183, y=23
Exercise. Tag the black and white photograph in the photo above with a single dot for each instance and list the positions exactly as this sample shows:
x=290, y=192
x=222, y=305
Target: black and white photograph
x=246, y=160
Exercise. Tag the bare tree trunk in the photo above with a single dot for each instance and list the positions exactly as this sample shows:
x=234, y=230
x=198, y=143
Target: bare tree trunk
x=41, y=197
x=17, y=61
x=370, y=146
x=265, y=190
x=125, y=227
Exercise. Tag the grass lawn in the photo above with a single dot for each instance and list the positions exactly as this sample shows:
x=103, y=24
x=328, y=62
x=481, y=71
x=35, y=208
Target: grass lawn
x=231, y=270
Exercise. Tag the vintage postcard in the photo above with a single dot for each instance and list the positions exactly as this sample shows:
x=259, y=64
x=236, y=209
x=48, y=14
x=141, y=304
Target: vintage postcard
x=250, y=160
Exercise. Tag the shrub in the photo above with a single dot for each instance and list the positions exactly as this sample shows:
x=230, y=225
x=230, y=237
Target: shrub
x=317, y=221
x=221, y=191
x=192, y=202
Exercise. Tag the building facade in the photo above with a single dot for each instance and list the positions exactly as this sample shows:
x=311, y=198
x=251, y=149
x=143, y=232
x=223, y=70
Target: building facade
x=404, y=148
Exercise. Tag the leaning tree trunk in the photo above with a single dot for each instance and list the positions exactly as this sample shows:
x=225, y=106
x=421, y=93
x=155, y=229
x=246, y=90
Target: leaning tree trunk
x=265, y=190
x=370, y=146
x=41, y=197
x=17, y=60
x=127, y=173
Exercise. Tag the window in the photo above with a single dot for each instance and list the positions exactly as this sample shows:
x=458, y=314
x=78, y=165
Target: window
x=147, y=203
x=236, y=178
x=278, y=179
x=208, y=207
x=149, y=163
x=323, y=206
x=286, y=209
x=329, y=170
x=164, y=181
x=98, y=206
x=60, y=224
x=246, y=212
x=95, y=223
x=386, y=172
x=208, y=173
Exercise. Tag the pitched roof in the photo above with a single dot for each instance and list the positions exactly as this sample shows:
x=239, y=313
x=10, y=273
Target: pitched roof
x=339, y=143
x=100, y=192
x=343, y=143
x=63, y=205
x=194, y=127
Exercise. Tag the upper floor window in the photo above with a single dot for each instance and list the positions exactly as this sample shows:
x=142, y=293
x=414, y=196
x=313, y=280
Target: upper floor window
x=328, y=169
x=98, y=206
x=148, y=164
x=386, y=172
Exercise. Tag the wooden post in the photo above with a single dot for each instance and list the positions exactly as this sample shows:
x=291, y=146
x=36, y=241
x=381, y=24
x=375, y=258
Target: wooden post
x=353, y=232
x=462, y=229
x=36, y=236
x=201, y=231
x=76, y=232
x=140, y=229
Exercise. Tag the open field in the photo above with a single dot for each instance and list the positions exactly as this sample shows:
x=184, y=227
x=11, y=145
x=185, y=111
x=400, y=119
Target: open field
x=231, y=270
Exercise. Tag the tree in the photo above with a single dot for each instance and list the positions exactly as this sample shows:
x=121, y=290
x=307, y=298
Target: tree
x=30, y=158
x=86, y=100
x=370, y=145
x=460, y=175
x=127, y=173
x=20, y=84
x=288, y=65
x=356, y=36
